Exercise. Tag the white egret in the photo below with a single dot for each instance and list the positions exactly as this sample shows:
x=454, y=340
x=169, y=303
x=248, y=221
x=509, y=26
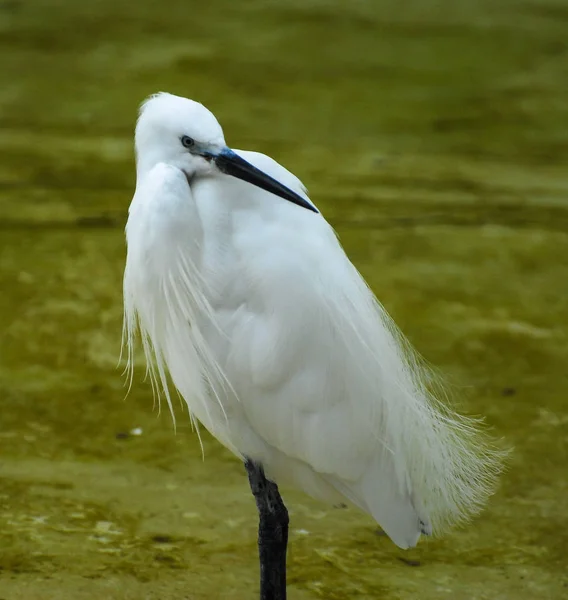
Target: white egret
x=242, y=292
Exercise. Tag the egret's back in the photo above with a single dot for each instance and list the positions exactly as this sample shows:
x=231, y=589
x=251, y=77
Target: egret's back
x=290, y=360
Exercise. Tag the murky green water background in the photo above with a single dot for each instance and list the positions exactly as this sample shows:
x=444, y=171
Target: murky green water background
x=434, y=135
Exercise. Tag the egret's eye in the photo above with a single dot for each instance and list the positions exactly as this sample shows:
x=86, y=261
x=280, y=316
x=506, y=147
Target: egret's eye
x=187, y=142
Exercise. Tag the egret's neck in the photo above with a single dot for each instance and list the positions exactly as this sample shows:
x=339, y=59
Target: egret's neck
x=146, y=161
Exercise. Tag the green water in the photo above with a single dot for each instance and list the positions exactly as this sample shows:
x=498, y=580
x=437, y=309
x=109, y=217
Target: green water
x=434, y=136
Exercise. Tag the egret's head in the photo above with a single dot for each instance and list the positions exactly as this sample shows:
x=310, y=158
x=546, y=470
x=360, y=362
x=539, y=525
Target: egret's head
x=177, y=131
x=183, y=133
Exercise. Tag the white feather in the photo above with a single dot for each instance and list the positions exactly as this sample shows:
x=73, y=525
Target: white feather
x=284, y=354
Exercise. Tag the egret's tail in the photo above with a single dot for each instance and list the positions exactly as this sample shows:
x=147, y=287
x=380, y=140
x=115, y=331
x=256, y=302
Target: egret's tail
x=431, y=467
x=394, y=509
x=427, y=484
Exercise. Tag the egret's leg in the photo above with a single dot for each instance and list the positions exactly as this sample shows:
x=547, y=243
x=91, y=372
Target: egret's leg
x=272, y=533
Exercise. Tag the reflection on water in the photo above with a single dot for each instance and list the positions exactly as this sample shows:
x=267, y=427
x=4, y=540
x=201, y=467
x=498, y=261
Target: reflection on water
x=433, y=136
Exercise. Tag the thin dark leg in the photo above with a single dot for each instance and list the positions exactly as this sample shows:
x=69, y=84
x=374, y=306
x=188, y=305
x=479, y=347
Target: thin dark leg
x=272, y=533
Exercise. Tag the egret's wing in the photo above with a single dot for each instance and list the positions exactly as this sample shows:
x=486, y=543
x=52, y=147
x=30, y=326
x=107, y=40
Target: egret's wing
x=324, y=376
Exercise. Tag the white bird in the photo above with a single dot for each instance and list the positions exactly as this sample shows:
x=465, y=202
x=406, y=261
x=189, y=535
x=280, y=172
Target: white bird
x=242, y=292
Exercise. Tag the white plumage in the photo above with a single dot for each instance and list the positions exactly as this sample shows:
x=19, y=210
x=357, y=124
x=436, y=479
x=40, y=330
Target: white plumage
x=277, y=344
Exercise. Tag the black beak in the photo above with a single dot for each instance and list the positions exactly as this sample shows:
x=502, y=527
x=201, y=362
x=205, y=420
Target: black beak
x=231, y=163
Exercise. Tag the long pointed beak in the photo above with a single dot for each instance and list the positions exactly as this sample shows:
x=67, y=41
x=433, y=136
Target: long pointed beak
x=231, y=163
